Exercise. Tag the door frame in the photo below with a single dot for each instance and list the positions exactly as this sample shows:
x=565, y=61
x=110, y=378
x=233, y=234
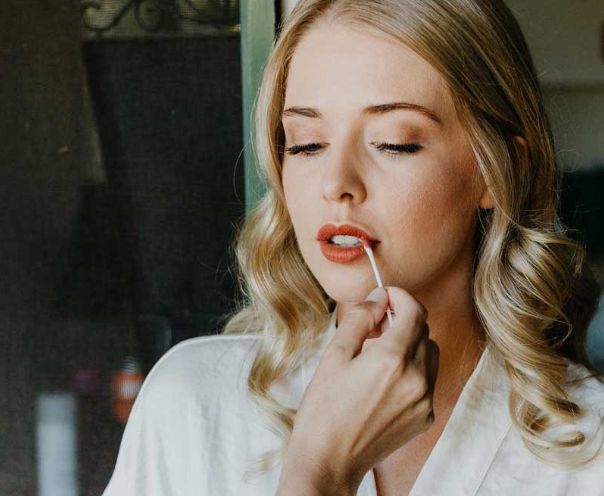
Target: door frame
x=258, y=27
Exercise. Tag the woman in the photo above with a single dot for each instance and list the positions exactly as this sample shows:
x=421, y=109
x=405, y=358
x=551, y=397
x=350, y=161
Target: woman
x=420, y=126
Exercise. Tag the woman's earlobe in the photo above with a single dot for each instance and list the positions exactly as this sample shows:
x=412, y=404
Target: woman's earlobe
x=486, y=200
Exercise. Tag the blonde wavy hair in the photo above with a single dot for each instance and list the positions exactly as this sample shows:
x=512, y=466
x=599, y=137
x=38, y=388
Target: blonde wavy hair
x=533, y=290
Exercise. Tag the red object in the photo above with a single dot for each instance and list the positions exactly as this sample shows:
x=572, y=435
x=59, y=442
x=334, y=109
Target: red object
x=341, y=255
x=126, y=384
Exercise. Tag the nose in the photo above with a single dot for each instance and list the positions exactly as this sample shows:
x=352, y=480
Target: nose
x=342, y=179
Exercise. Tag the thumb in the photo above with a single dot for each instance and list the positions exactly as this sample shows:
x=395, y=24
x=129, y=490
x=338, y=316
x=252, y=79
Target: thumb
x=359, y=320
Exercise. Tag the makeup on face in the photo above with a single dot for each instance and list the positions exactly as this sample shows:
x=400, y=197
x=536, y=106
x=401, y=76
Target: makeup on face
x=344, y=244
x=352, y=158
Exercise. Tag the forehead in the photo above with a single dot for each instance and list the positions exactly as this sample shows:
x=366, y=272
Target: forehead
x=340, y=69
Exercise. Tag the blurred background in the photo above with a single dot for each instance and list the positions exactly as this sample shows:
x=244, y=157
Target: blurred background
x=125, y=168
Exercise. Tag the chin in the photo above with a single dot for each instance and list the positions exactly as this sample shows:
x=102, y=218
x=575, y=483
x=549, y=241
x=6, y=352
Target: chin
x=345, y=290
x=342, y=282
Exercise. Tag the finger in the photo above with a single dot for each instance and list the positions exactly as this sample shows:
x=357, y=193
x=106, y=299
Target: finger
x=409, y=316
x=358, y=322
x=370, y=340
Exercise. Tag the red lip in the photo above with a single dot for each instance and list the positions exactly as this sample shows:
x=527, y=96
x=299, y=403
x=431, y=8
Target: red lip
x=340, y=254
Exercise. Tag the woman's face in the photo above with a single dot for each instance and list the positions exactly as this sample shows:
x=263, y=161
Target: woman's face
x=418, y=201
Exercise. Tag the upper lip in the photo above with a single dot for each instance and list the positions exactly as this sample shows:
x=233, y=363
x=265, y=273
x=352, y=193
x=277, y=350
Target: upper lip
x=328, y=231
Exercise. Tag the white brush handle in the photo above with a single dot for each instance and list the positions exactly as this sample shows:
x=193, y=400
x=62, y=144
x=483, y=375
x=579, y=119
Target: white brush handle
x=377, y=277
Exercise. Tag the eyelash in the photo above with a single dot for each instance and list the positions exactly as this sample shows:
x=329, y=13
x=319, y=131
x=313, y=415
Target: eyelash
x=393, y=149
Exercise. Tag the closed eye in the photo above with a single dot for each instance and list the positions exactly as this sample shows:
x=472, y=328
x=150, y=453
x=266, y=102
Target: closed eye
x=388, y=148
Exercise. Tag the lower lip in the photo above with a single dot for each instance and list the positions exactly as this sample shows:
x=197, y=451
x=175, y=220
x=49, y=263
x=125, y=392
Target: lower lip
x=338, y=254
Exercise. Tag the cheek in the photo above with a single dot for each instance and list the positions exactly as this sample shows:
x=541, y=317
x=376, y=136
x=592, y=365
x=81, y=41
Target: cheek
x=444, y=200
x=427, y=231
x=296, y=201
x=288, y=181
x=434, y=216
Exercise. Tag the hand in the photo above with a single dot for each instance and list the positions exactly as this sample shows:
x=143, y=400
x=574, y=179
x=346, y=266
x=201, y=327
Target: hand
x=367, y=397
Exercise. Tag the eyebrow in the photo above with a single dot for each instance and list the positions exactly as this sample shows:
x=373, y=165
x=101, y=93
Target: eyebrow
x=371, y=110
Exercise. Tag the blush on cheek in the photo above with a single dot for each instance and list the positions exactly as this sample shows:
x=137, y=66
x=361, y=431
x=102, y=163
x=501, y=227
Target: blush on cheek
x=448, y=213
x=432, y=220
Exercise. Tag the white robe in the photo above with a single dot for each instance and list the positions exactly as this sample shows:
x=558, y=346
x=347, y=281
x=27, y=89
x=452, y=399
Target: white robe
x=194, y=428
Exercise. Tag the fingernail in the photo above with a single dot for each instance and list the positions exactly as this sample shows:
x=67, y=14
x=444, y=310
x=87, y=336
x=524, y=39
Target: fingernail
x=377, y=295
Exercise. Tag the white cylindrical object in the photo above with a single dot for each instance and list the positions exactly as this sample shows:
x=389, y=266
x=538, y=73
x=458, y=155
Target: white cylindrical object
x=376, y=273
x=56, y=444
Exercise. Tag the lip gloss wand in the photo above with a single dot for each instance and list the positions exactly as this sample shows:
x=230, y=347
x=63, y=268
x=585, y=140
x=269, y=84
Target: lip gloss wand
x=377, y=277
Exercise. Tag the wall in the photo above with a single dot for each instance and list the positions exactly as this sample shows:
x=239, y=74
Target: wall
x=565, y=38
x=568, y=48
